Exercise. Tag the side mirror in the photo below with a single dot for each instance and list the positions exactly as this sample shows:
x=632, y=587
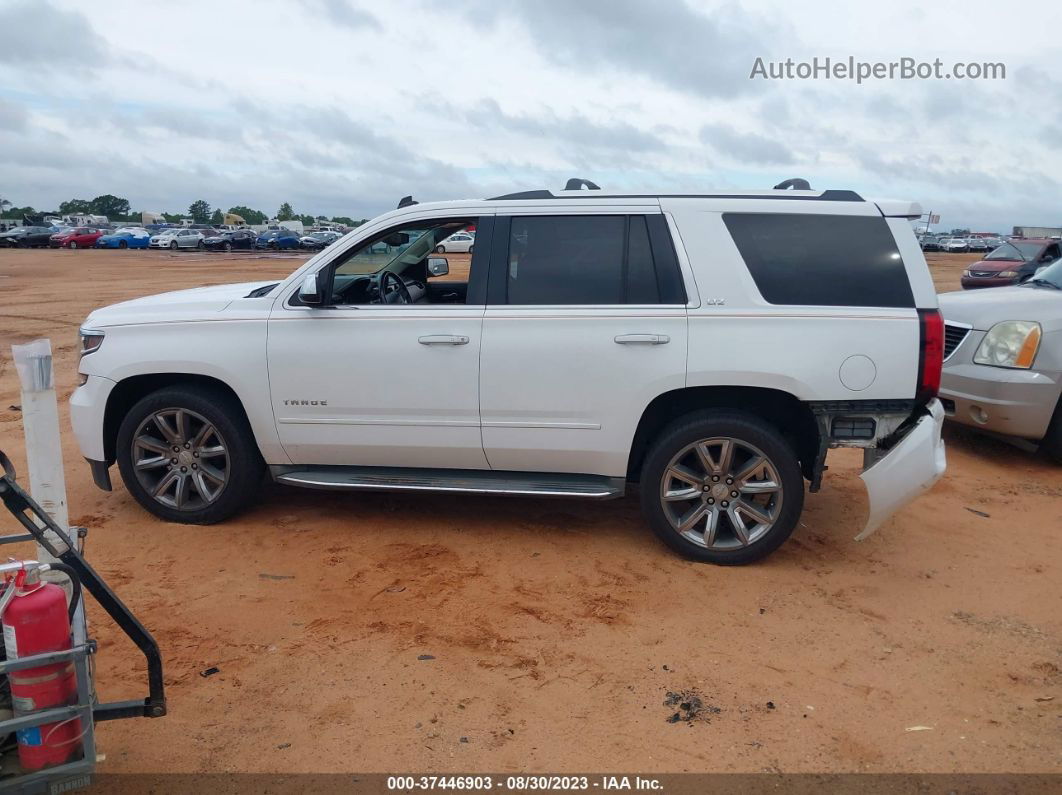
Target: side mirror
x=438, y=266
x=311, y=292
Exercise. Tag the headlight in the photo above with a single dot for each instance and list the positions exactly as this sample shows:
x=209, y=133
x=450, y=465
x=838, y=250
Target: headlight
x=1012, y=343
x=1008, y=274
x=91, y=340
x=966, y=273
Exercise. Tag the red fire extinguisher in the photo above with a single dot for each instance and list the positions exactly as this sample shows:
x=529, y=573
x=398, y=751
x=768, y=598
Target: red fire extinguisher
x=35, y=621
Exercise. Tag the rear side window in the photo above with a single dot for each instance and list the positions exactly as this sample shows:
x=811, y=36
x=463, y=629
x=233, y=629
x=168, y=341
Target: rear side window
x=590, y=259
x=822, y=260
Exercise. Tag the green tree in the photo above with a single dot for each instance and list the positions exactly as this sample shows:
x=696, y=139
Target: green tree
x=249, y=215
x=110, y=206
x=285, y=213
x=342, y=219
x=200, y=211
x=75, y=207
x=307, y=220
x=10, y=211
x=217, y=217
x=172, y=218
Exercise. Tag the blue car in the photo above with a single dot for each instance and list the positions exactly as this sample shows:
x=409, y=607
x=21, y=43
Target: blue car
x=278, y=240
x=129, y=237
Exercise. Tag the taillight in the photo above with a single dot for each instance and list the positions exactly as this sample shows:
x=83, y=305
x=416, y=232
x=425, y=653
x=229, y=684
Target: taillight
x=930, y=353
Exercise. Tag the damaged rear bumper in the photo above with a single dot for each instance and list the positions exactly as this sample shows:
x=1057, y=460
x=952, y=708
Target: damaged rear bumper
x=908, y=468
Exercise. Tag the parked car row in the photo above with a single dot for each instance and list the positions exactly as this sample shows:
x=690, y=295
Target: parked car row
x=958, y=245
x=196, y=236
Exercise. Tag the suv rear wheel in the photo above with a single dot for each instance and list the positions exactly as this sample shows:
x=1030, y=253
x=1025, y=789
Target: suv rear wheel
x=187, y=454
x=722, y=487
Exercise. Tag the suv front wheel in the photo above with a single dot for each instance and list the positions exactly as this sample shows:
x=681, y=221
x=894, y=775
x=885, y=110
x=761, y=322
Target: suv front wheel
x=722, y=487
x=187, y=454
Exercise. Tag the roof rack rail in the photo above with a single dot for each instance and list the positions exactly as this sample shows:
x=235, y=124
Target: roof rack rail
x=575, y=183
x=796, y=184
x=828, y=195
x=405, y=201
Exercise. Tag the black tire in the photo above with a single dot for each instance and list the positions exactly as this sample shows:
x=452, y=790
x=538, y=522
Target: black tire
x=173, y=245
x=1052, y=441
x=122, y=244
x=470, y=249
x=244, y=464
x=748, y=429
x=199, y=245
x=73, y=244
x=228, y=247
x=440, y=249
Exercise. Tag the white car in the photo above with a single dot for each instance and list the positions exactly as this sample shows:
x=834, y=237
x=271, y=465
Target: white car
x=177, y=238
x=710, y=347
x=955, y=245
x=458, y=243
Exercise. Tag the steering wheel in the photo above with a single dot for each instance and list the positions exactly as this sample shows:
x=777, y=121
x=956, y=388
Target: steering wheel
x=390, y=289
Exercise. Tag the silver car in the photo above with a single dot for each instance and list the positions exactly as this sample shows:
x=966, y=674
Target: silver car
x=1003, y=359
x=177, y=238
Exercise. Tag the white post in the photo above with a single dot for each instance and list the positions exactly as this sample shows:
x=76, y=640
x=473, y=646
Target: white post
x=40, y=421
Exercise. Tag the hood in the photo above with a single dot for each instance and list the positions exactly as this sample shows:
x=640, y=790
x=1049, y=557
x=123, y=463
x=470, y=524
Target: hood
x=181, y=305
x=982, y=309
x=996, y=265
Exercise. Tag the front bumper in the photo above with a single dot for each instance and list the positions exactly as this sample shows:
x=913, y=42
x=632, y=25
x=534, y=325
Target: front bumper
x=1007, y=401
x=88, y=405
x=909, y=468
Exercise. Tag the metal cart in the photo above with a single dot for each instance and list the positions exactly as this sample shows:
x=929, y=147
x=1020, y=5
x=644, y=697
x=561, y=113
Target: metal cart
x=75, y=774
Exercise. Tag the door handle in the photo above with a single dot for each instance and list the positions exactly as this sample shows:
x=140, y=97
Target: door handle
x=443, y=339
x=643, y=339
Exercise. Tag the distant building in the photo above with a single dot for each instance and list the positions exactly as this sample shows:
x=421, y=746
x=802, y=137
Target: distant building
x=1038, y=231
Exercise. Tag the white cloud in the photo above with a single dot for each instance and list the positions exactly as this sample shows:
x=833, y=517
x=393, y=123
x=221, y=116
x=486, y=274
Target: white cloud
x=342, y=106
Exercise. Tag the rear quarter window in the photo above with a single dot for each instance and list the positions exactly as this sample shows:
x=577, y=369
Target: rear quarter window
x=822, y=260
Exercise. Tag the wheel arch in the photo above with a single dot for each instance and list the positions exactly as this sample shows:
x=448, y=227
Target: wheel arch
x=129, y=390
x=792, y=418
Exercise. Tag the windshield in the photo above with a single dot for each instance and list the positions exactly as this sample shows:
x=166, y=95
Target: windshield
x=1051, y=275
x=1016, y=251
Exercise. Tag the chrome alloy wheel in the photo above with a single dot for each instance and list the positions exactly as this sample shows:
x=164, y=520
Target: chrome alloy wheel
x=180, y=459
x=721, y=493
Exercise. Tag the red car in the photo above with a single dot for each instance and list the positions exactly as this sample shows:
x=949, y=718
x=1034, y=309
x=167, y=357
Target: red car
x=81, y=237
x=1011, y=263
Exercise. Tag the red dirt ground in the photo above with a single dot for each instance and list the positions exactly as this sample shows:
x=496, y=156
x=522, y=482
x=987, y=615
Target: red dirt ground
x=557, y=629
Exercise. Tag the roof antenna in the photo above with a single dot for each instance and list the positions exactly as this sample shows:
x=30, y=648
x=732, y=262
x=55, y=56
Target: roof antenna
x=796, y=184
x=578, y=184
x=405, y=201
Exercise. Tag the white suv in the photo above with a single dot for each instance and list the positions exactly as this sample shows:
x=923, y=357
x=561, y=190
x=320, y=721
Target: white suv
x=710, y=348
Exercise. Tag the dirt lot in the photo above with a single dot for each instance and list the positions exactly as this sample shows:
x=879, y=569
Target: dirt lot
x=442, y=633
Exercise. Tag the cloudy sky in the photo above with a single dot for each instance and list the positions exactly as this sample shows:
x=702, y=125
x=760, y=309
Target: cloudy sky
x=343, y=106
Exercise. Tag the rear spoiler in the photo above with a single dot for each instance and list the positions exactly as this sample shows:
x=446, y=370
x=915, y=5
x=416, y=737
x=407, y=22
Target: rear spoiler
x=895, y=208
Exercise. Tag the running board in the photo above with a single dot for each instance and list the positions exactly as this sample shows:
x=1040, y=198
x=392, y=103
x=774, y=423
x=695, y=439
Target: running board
x=461, y=481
